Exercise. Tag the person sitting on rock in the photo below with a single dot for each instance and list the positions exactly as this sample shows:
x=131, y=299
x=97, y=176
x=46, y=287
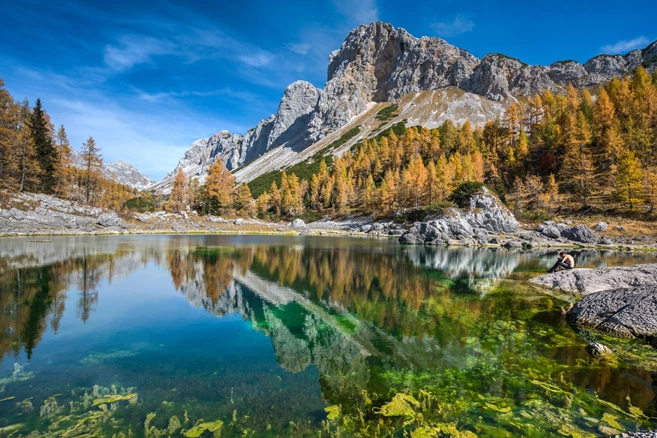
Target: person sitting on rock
x=565, y=261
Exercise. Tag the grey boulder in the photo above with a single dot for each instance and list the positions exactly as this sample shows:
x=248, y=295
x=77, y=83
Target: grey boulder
x=469, y=226
x=601, y=227
x=298, y=224
x=586, y=281
x=109, y=219
x=551, y=232
x=622, y=312
x=580, y=233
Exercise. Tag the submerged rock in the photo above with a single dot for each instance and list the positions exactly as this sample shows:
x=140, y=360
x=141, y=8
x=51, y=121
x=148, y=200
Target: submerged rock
x=585, y=281
x=599, y=351
x=622, y=312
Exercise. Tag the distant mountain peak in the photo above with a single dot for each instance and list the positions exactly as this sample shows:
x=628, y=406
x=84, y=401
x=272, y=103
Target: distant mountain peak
x=119, y=171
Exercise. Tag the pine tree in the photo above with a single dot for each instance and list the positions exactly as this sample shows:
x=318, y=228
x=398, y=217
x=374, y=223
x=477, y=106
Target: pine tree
x=194, y=193
x=551, y=192
x=178, y=199
x=629, y=180
x=26, y=161
x=9, y=111
x=275, y=198
x=93, y=162
x=263, y=203
x=518, y=195
x=314, y=188
x=244, y=200
x=445, y=180
x=534, y=190
x=651, y=188
x=370, y=196
x=219, y=186
x=46, y=154
x=63, y=165
x=388, y=190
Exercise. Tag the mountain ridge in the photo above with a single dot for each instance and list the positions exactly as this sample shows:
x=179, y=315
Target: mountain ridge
x=380, y=63
x=119, y=171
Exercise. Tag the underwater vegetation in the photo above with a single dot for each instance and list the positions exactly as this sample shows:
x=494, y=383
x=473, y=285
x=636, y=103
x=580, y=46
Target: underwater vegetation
x=355, y=340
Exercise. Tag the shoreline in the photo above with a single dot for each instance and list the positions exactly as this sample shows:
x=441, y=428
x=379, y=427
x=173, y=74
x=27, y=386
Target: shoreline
x=284, y=229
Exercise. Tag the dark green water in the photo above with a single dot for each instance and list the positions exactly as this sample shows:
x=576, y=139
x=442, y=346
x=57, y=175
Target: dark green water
x=264, y=333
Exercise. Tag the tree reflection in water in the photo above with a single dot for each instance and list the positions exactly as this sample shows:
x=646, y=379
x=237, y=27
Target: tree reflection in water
x=375, y=318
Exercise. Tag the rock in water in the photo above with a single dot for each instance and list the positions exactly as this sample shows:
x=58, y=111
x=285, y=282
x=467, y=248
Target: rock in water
x=599, y=351
x=586, y=281
x=485, y=214
x=622, y=312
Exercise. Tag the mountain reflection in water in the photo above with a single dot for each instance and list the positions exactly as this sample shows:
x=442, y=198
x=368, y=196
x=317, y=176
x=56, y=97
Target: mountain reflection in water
x=369, y=315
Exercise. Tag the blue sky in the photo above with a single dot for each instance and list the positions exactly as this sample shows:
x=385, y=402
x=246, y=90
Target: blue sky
x=146, y=78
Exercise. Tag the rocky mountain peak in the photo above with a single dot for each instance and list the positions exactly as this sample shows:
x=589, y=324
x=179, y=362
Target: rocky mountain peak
x=380, y=63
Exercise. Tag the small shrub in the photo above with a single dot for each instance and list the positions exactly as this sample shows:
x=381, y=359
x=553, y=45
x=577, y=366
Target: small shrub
x=421, y=213
x=387, y=113
x=463, y=193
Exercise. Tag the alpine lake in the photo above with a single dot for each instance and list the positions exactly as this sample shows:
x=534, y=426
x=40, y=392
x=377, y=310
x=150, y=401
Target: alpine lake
x=247, y=335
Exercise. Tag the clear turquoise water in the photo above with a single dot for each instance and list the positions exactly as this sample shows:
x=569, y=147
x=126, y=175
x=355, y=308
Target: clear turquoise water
x=265, y=332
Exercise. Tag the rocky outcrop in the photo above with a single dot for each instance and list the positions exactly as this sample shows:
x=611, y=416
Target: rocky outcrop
x=38, y=213
x=621, y=312
x=486, y=214
x=587, y=281
x=380, y=63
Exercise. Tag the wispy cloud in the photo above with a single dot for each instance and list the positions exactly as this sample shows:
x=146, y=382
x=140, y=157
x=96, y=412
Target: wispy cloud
x=458, y=26
x=131, y=50
x=299, y=48
x=261, y=59
x=358, y=11
x=625, y=46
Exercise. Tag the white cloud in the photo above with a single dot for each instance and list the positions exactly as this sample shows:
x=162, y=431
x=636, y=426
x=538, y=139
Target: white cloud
x=458, y=26
x=133, y=50
x=299, y=48
x=261, y=59
x=358, y=11
x=625, y=46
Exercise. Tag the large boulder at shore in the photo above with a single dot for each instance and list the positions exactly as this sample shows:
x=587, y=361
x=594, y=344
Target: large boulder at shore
x=485, y=214
x=586, y=281
x=580, y=233
x=622, y=312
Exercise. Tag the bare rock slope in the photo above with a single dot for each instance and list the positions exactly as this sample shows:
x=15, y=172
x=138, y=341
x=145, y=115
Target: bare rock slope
x=379, y=63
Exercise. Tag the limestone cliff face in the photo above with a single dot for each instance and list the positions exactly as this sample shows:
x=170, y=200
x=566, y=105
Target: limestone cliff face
x=379, y=63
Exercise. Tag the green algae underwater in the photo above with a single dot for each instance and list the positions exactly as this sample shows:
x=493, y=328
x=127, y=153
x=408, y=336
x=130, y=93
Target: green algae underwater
x=205, y=336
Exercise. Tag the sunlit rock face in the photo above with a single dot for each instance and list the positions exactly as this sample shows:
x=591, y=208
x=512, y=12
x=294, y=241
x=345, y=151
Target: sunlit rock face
x=472, y=224
x=380, y=63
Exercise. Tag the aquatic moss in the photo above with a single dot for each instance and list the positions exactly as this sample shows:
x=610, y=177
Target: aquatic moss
x=200, y=429
x=132, y=398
